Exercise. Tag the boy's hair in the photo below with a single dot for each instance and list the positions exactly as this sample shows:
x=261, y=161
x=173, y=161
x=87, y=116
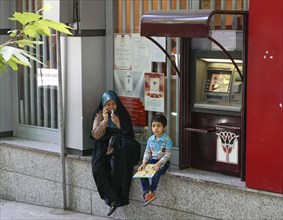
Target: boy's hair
x=159, y=118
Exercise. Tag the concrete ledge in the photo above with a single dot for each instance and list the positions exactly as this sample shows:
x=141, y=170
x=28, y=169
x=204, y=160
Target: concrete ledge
x=34, y=176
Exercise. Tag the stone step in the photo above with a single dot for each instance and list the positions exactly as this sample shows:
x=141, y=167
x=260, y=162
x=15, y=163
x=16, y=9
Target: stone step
x=34, y=176
x=194, y=194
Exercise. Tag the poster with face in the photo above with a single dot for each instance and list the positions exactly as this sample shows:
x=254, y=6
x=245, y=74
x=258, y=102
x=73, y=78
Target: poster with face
x=154, y=86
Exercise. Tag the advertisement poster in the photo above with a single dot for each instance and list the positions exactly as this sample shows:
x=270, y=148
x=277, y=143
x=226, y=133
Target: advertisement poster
x=157, y=55
x=154, y=91
x=131, y=60
x=129, y=86
x=129, y=83
x=122, y=51
x=140, y=53
x=227, y=38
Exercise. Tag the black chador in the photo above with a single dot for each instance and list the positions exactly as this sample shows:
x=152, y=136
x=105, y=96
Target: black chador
x=113, y=169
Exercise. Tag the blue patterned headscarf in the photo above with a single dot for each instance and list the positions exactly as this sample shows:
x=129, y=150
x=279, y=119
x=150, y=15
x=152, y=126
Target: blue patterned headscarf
x=109, y=95
x=121, y=112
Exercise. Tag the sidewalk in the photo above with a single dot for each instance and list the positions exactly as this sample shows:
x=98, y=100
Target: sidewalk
x=10, y=210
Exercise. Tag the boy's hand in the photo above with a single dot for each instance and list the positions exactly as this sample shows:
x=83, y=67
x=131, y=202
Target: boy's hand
x=157, y=166
x=141, y=167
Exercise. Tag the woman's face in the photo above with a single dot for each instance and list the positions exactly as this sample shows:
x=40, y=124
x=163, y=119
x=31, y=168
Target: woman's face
x=111, y=105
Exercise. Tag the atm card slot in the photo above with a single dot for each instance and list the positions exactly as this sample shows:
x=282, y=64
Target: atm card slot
x=222, y=106
x=201, y=129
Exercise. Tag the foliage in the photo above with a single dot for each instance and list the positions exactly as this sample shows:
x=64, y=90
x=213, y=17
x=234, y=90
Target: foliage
x=15, y=51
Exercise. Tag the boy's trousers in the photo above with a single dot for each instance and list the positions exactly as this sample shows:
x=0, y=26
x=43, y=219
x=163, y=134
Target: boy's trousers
x=146, y=186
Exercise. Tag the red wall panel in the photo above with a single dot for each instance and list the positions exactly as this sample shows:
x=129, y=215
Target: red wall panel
x=264, y=137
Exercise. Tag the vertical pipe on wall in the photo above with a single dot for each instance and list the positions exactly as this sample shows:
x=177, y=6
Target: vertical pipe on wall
x=223, y=17
x=188, y=6
x=141, y=8
x=149, y=113
x=132, y=11
x=178, y=4
x=246, y=5
x=194, y=4
x=159, y=5
x=177, y=60
x=159, y=64
x=45, y=90
x=25, y=78
x=38, y=91
x=212, y=21
x=26, y=96
x=168, y=78
x=234, y=20
x=61, y=119
x=22, y=116
x=110, y=27
x=52, y=87
x=169, y=4
x=168, y=84
x=149, y=5
x=124, y=16
x=32, y=90
x=39, y=100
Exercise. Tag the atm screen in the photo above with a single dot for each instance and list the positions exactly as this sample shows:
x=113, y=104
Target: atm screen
x=218, y=82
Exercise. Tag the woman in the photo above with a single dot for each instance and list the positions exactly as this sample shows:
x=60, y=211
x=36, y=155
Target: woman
x=115, y=151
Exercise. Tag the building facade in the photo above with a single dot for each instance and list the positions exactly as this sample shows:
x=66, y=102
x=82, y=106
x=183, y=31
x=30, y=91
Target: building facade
x=91, y=63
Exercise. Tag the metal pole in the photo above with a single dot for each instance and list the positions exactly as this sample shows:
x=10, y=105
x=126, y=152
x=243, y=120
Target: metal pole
x=61, y=124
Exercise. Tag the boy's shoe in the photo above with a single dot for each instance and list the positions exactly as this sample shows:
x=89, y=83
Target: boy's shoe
x=149, y=197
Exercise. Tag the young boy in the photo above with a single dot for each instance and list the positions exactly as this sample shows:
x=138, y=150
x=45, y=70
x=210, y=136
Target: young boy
x=158, y=152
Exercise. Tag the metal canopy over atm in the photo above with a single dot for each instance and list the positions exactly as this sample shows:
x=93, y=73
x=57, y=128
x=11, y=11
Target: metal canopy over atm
x=176, y=23
x=188, y=24
x=185, y=24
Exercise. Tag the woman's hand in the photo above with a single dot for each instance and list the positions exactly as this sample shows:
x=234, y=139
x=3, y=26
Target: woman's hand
x=115, y=119
x=105, y=114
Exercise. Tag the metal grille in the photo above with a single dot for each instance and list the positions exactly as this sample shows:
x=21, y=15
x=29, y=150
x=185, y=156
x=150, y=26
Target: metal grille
x=38, y=86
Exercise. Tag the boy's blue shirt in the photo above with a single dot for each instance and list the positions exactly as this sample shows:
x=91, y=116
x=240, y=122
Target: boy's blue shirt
x=159, y=150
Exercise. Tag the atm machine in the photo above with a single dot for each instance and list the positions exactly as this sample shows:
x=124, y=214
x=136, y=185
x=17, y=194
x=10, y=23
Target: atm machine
x=212, y=90
x=218, y=85
x=216, y=89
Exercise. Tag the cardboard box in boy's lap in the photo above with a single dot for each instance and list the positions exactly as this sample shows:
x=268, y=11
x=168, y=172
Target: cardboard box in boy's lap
x=147, y=172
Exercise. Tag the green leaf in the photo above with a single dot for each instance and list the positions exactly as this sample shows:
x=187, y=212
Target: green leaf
x=12, y=64
x=13, y=33
x=55, y=25
x=2, y=65
x=22, y=58
x=7, y=52
x=29, y=43
x=34, y=26
x=42, y=29
x=46, y=7
x=18, y=61
x=25, y=17
x=33, y=31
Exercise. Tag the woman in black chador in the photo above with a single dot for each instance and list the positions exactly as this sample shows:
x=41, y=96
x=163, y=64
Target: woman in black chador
x=115, y=151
